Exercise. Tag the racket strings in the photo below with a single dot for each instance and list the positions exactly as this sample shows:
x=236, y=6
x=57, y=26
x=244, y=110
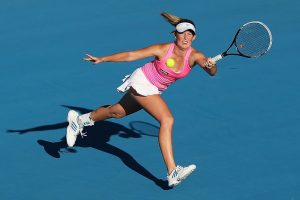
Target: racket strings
x=253, y=40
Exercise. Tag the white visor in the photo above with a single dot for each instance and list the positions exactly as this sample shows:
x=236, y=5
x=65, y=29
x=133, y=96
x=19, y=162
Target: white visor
x=184, y=26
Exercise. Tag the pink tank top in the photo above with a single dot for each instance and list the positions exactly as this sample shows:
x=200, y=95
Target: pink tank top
x=162, y=76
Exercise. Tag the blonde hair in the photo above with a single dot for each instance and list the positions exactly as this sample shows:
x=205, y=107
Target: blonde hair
x=172, y=19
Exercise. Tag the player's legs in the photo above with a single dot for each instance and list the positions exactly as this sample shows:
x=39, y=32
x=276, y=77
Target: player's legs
x=156, y=106
x=126, y=106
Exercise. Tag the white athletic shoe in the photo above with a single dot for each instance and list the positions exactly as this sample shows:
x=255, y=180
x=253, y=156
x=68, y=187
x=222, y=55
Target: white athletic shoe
x=179, y=174
x=74, y=128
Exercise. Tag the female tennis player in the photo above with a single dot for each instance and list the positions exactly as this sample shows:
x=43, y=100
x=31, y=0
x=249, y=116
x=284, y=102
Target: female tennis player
x=143, y=88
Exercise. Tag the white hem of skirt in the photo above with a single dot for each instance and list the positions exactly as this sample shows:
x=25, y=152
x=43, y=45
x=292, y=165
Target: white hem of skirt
x=139, y=82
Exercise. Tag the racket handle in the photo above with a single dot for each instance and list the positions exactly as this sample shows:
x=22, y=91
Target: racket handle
x=217, y=58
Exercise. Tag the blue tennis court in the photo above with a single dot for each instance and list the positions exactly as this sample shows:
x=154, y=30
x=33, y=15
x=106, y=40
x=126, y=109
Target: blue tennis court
x=241, y=128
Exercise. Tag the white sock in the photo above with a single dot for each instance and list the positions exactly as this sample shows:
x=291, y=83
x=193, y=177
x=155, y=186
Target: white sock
x=86, y=120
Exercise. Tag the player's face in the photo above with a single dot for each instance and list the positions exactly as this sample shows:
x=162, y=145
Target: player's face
x=184, y=39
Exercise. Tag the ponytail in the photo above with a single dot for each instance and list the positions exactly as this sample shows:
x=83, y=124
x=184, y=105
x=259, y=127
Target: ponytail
x=172, y=19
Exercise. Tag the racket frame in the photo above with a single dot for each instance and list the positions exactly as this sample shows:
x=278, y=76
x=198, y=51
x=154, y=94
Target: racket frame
x=225, y=53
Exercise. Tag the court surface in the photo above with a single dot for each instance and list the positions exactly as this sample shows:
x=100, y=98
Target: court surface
x=241, y=128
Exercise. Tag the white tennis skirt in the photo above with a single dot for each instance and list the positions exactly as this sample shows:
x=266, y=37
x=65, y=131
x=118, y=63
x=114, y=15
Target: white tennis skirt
x=138, y=81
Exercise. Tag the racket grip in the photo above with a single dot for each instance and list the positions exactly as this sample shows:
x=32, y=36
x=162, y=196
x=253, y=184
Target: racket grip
x=217, y=58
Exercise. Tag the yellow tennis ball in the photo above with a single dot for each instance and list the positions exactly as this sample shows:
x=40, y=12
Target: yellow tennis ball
x=170, y=62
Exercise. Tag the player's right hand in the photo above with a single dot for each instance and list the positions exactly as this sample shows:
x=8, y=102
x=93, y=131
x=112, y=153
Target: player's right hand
x=93, y=59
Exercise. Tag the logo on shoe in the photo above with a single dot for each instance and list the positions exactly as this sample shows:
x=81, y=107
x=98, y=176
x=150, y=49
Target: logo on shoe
x=74, y=126
x=174, y=174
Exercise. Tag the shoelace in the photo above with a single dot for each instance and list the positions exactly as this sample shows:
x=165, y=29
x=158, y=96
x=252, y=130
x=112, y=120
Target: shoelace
x=178, y=168
x=83, y=134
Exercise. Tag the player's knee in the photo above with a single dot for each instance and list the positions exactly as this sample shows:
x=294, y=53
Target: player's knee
x=116, y=113
x=119, y=115
x=167, y=121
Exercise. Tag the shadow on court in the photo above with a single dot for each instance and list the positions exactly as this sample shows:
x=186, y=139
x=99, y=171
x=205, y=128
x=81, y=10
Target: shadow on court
x=98, y=138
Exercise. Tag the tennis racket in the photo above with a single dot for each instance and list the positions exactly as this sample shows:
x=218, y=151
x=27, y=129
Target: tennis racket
x=252, y=40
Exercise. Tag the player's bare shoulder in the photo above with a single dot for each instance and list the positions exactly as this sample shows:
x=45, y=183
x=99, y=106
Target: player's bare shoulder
x=162, y=49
